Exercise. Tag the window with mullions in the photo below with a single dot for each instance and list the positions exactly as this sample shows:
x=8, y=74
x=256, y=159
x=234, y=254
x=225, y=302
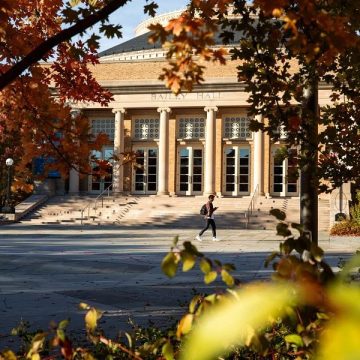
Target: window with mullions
x=146, y=129
x=192, y=128
x=104, y=126
x=237, y=127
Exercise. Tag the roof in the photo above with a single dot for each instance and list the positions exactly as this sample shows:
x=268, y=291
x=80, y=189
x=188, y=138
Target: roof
x=141, y=42
x=137, y=43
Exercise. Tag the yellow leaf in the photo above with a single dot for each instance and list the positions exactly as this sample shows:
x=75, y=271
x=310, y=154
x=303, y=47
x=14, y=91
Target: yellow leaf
x=210, y=277
x=233, y=320
x=205, y=265
x=185, y=325
x=340, y=340
x=9, y=355
x=227, y=278
x=188, y=262
x=91, y=319
x=84, y=306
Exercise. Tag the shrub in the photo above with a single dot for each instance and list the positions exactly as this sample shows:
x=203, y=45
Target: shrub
x=346, y=228
x=355, y=210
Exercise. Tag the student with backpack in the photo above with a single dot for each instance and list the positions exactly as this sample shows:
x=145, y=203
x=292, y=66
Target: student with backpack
x=207, y=210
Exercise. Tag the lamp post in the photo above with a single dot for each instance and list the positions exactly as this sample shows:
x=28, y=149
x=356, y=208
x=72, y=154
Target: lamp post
x=8, y=209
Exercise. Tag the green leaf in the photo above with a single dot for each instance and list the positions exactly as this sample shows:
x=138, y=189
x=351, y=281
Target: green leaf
x=294, y=339
x=188, y=261
x=205, y=265
x=175, y=240
x=63, y=324
x=210, y=277
x=227, y=278
x=61, y=334
x=169, y=265
x=231, y=322
x=129, y=339
x=280, y=215
x=168, y=351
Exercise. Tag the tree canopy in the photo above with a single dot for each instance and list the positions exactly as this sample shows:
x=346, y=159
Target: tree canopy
x=284, y=47
x=33, y=122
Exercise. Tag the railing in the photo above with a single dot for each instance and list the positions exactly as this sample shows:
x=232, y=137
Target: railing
x=95, y=202
x=252, y=205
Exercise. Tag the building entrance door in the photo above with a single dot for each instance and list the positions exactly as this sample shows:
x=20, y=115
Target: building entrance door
x=237, y=170
x=190, y=170
x=97, y=183
x=145, y=173
x=284, y=174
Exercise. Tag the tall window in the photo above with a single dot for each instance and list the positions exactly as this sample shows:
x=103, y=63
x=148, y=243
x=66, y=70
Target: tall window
x=192, y=128
x=146, y=129
x=237, y=127
x=105, y=126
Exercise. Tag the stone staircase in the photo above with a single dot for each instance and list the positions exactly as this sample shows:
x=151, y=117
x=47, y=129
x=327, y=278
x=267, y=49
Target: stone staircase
x=168, y=212
x=68, y=210
x=183, y=212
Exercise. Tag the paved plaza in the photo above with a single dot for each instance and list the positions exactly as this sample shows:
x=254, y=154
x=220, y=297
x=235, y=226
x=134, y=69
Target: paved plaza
x=46, y=271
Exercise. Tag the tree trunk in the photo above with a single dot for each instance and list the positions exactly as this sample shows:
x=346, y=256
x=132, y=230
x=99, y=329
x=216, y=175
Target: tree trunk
x=309, y=162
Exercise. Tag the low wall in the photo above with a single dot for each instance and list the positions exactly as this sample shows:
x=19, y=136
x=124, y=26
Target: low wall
x=22, y=209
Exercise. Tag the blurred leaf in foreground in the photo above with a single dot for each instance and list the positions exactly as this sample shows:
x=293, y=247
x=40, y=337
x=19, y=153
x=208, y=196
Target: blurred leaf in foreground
x=236, y=318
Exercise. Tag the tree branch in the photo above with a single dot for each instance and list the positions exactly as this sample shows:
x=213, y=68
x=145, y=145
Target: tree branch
x=41, y=50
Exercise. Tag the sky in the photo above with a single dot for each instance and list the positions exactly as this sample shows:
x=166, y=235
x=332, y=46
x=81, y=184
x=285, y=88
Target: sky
x=130, y=15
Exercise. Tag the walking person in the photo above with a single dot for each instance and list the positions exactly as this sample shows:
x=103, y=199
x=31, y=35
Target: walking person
x=208, y=210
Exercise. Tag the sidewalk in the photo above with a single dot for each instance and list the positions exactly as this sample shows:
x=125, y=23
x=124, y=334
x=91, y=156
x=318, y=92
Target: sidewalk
x=47, y=271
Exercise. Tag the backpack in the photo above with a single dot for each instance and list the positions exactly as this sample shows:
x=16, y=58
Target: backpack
x=203, y=210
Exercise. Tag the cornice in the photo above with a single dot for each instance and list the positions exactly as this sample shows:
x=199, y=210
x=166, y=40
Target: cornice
x=131, y=89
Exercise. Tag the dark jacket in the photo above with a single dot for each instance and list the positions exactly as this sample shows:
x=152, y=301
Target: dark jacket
x=210, y=209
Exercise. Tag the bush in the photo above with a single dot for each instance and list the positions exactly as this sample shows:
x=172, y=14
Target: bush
x=346, y=228
x=355, y=210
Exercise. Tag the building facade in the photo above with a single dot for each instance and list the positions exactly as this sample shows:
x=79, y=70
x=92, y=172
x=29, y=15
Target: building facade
x=192, y=144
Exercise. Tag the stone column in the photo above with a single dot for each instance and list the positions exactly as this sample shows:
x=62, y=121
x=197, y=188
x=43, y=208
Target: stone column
x=209, y=149
x=74, y=181
x=118, y=168
x=163, y=151
x=258, y=158
x=74, y=178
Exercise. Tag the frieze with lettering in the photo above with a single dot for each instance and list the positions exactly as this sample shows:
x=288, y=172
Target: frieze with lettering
x=186, y=96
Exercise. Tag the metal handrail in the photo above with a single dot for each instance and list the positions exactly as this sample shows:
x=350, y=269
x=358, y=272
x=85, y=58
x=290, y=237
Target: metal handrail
x=88, y=206
x=252, y=205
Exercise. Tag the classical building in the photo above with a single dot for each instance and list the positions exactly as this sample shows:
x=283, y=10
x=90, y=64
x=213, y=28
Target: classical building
x=193, y=144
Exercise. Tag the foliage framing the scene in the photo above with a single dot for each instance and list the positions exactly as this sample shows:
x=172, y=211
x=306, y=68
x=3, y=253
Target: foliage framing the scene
x=44, y=72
